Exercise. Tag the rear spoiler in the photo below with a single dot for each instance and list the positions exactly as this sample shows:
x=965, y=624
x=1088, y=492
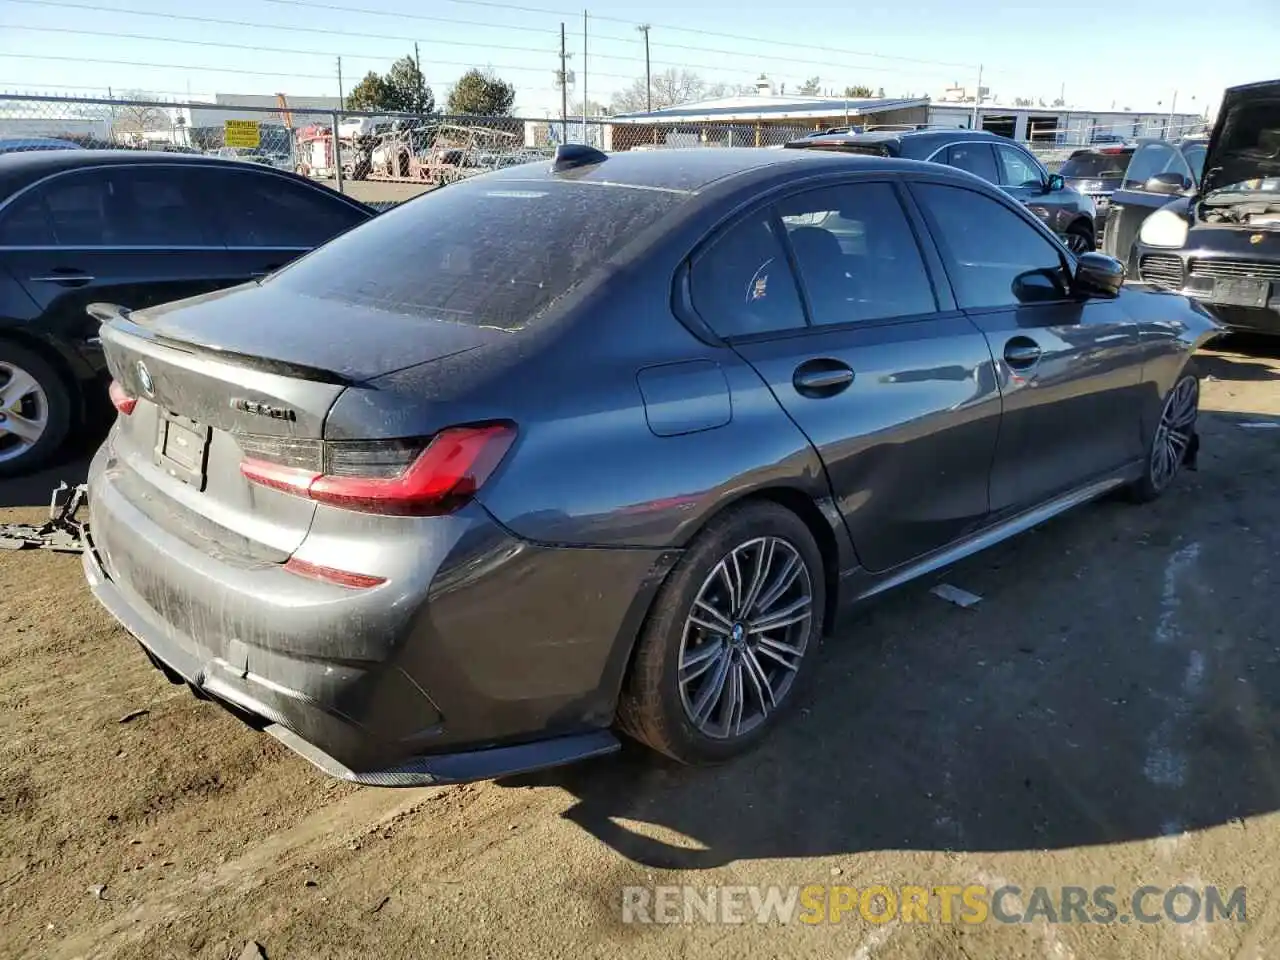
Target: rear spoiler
x=116, y=317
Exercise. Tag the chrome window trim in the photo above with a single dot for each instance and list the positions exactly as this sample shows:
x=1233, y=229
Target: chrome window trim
x=134, y=248
x=932, y=158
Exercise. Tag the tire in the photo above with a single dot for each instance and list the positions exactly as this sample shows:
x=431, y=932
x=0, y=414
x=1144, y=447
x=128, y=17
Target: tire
x=689, y=722
x=1081, y=238
x=46, y=403
x=1174, y=442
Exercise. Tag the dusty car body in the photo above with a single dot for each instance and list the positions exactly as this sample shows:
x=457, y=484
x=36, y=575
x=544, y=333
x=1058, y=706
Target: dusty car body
x=608, y=444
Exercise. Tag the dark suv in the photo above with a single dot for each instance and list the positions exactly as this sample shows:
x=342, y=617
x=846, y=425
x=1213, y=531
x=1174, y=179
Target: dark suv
x=1158, y=171
x=1221, y=244
x=994, y=158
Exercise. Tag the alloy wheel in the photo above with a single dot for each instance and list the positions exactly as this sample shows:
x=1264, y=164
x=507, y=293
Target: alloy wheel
x=1078, y=243
x=1173, y=435
x=745, y=637
x=24, y=411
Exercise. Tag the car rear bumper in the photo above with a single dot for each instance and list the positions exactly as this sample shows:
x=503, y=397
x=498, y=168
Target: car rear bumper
x=512, y=659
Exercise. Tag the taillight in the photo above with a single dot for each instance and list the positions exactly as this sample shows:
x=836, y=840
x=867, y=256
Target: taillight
x=121, y=400
x=343, y=578
x=397, y=477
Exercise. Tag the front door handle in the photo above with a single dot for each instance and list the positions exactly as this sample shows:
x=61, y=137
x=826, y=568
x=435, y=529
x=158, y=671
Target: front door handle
x=822, y=378
x=1021, y=353
x=66, y=278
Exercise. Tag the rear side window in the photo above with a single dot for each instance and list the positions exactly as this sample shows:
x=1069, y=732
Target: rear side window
x=260, y=209
x=487, y=252
x=112, y=206
x=977, y=158
x=856, y=254
x=742, y=284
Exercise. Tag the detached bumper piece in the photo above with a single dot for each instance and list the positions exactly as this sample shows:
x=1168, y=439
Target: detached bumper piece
x=63, y=532
x=459, y=767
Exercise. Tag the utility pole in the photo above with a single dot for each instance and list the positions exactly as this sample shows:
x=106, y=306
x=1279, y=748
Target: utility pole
x=648, y=73
x=584, y=76
x=342, y=100
x=977, y=99
x=1173, y=106
x=564, y=87
x=417, y=94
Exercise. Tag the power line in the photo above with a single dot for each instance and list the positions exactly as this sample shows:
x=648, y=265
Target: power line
x=189, y=18
x=264, y=49
x=498, y=4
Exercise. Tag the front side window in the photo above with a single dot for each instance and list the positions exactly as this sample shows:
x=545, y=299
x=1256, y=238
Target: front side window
x=742, y=284
x=1017, y=169
x=993, y=256
x=1152, y=159
x=977, y=158
x=857, y=257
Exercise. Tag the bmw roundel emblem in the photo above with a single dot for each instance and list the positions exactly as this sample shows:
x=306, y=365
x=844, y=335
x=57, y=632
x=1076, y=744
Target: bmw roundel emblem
x=144, y=379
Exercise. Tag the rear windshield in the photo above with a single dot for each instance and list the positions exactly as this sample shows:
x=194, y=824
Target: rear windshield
x=1097, y=166
x=489, y=252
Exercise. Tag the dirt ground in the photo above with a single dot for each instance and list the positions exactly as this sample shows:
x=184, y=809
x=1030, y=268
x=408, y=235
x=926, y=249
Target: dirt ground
x=375, y=191
x=1106, y=715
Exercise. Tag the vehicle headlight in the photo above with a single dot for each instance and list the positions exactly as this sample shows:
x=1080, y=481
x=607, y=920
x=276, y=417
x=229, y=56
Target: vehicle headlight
x=1164, y=228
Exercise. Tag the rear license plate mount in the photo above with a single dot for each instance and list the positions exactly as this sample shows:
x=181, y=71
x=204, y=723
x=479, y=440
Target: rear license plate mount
x=1241, y=291
x=182, y=449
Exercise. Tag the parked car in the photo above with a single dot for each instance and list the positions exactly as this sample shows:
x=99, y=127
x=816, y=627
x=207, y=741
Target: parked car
x=1221, y=245
x=24, y=144
x=1158, y=171
x=136, y=228
x=994, y=158
x=569, y=448
x=1097, y=172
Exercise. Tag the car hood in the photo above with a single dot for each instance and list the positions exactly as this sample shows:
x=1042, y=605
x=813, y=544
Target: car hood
x=1246, y=137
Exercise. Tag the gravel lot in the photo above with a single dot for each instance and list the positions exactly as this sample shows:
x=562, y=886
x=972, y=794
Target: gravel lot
x=1106, y=715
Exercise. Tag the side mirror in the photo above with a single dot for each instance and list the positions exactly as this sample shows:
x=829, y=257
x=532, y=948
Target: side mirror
x=1170, y=184
x=1098, y=275
x=1056, y=182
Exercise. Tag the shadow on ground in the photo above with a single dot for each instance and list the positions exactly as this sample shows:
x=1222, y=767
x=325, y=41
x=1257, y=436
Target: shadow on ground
x=1116, y=682
x=72, y=465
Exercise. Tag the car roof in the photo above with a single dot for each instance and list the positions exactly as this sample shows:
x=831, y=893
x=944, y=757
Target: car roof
x=694, y=168
x=20, y=169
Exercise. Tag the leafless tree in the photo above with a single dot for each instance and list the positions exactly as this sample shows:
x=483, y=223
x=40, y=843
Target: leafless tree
x=134, y=119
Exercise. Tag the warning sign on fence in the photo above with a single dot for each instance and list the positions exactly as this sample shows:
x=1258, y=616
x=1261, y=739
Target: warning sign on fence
x=241, y=133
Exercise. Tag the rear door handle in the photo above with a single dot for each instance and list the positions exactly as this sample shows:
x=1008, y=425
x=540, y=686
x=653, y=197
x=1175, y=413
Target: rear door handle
x=823, y=377
x=1021, y=353
x=66, y=278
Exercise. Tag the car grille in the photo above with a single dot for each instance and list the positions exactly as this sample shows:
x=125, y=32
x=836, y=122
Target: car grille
x=1226, y=269
x=1162, y=269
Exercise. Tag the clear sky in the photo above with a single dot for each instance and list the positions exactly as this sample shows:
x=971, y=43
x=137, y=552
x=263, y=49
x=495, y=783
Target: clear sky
x=1130, y=54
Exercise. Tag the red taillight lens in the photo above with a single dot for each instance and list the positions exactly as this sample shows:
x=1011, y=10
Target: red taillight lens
x=343, y=578
x=121, y=400
x=438, y=480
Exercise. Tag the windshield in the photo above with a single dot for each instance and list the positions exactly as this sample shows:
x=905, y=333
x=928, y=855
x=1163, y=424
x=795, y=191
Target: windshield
x=487, y=252
x=1194, y=154
x=1152, y=159
x=1097, y=166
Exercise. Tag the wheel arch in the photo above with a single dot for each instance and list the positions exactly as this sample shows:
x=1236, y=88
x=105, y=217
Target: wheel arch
x=56, y=359
x=820, y=526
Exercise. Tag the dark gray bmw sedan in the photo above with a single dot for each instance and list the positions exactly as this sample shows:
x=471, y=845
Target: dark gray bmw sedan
x=608, y=444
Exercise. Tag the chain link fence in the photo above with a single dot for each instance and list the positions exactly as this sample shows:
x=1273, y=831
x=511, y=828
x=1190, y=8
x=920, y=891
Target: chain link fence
x=351, y=149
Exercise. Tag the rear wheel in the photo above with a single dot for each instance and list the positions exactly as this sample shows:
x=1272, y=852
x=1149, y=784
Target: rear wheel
x=730, y=638
x=35, y=410
x=1174, y=442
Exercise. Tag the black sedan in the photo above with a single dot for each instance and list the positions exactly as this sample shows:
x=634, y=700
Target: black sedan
x=1098, y=172
x=608, y=444
x=1221, y=245
x=137, y=229
x=996, y=159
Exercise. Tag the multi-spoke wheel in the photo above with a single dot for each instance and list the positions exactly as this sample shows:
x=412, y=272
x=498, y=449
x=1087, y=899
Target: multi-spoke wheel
x=729, y=638
x=1080, y=239
x=34, y=410
x=1174, y=440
